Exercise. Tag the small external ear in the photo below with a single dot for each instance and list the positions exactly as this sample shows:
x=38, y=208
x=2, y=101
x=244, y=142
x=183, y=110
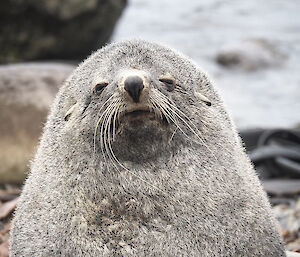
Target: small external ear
x=203, y=98
x=70, y=111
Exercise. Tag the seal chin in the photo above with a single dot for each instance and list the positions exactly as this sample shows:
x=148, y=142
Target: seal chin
x=140, y=134
x=140, y=138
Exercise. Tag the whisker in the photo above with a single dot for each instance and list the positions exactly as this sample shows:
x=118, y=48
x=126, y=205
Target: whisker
x=115, y=120
x=172, y=116
x=177, y=112
x=98, y=122
x=106, y=125
x=180, y=90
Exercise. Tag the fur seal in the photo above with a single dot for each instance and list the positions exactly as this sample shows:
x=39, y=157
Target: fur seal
x=140, y=158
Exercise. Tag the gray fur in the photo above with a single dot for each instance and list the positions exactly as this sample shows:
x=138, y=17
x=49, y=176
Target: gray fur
x=188, y=193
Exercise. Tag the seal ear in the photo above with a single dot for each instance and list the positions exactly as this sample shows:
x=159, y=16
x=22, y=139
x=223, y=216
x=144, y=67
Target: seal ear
x=203, y=98
x=70, y=111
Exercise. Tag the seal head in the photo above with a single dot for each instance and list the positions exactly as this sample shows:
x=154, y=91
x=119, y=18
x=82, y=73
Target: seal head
x=140, y=158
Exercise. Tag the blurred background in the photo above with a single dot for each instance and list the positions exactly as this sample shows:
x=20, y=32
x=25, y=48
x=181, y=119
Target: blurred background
x=250, y=49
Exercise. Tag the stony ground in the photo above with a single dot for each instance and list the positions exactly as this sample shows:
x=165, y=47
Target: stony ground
x=286, y=210
x=288, y=215
x=8, y=200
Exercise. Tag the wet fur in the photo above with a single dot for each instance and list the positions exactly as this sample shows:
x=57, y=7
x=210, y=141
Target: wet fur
x=178, y=184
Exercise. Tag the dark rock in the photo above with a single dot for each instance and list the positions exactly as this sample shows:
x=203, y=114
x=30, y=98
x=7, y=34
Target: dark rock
x=26, y=92
x=274, y=152
x=275, y=200
x=282, y=187
x=56, y=29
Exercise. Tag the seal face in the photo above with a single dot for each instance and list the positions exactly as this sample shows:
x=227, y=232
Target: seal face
x=137, y=115
x=140, y=158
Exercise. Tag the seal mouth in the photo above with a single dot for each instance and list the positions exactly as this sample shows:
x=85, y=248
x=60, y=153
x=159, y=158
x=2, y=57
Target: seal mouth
x=136, y=113
x=140, y=114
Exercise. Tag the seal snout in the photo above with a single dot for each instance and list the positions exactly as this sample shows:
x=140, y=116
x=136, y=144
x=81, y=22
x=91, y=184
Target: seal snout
x=134, y=86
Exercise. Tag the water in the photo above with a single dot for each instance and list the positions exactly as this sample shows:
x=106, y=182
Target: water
x=199, y=28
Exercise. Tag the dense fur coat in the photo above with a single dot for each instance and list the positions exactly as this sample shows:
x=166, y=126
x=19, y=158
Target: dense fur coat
x=175, y=181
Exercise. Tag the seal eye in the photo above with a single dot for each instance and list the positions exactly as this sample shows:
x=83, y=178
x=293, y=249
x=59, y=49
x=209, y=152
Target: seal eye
x=168, y=82
x=99, y=87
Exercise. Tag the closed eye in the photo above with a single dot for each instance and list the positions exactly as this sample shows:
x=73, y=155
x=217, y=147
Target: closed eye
x=100, y=87
x=169, y=83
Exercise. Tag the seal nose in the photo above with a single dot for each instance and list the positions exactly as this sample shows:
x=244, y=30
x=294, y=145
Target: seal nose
x=134, y=86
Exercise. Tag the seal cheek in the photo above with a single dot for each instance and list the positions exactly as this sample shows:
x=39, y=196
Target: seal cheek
x=79, y=225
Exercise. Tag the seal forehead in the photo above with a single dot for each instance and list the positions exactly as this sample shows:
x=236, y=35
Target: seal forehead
x=108, y=63
x=138, y=54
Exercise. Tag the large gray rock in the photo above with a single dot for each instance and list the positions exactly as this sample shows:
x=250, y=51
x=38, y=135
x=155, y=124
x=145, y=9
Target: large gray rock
x=59, y=29
x=26, y=92
x=250, y=55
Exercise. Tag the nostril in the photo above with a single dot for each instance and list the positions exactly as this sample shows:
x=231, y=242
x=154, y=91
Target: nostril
x=134, y=86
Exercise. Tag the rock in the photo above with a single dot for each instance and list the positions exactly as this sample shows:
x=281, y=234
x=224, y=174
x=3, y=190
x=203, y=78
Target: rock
x=292, y=254
x=282, y=187
x=56, y=29
x=294, y=246
x=26, y=92
x=4, y=249
x=289, y=220
x=7, y=208
x=250, y=55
